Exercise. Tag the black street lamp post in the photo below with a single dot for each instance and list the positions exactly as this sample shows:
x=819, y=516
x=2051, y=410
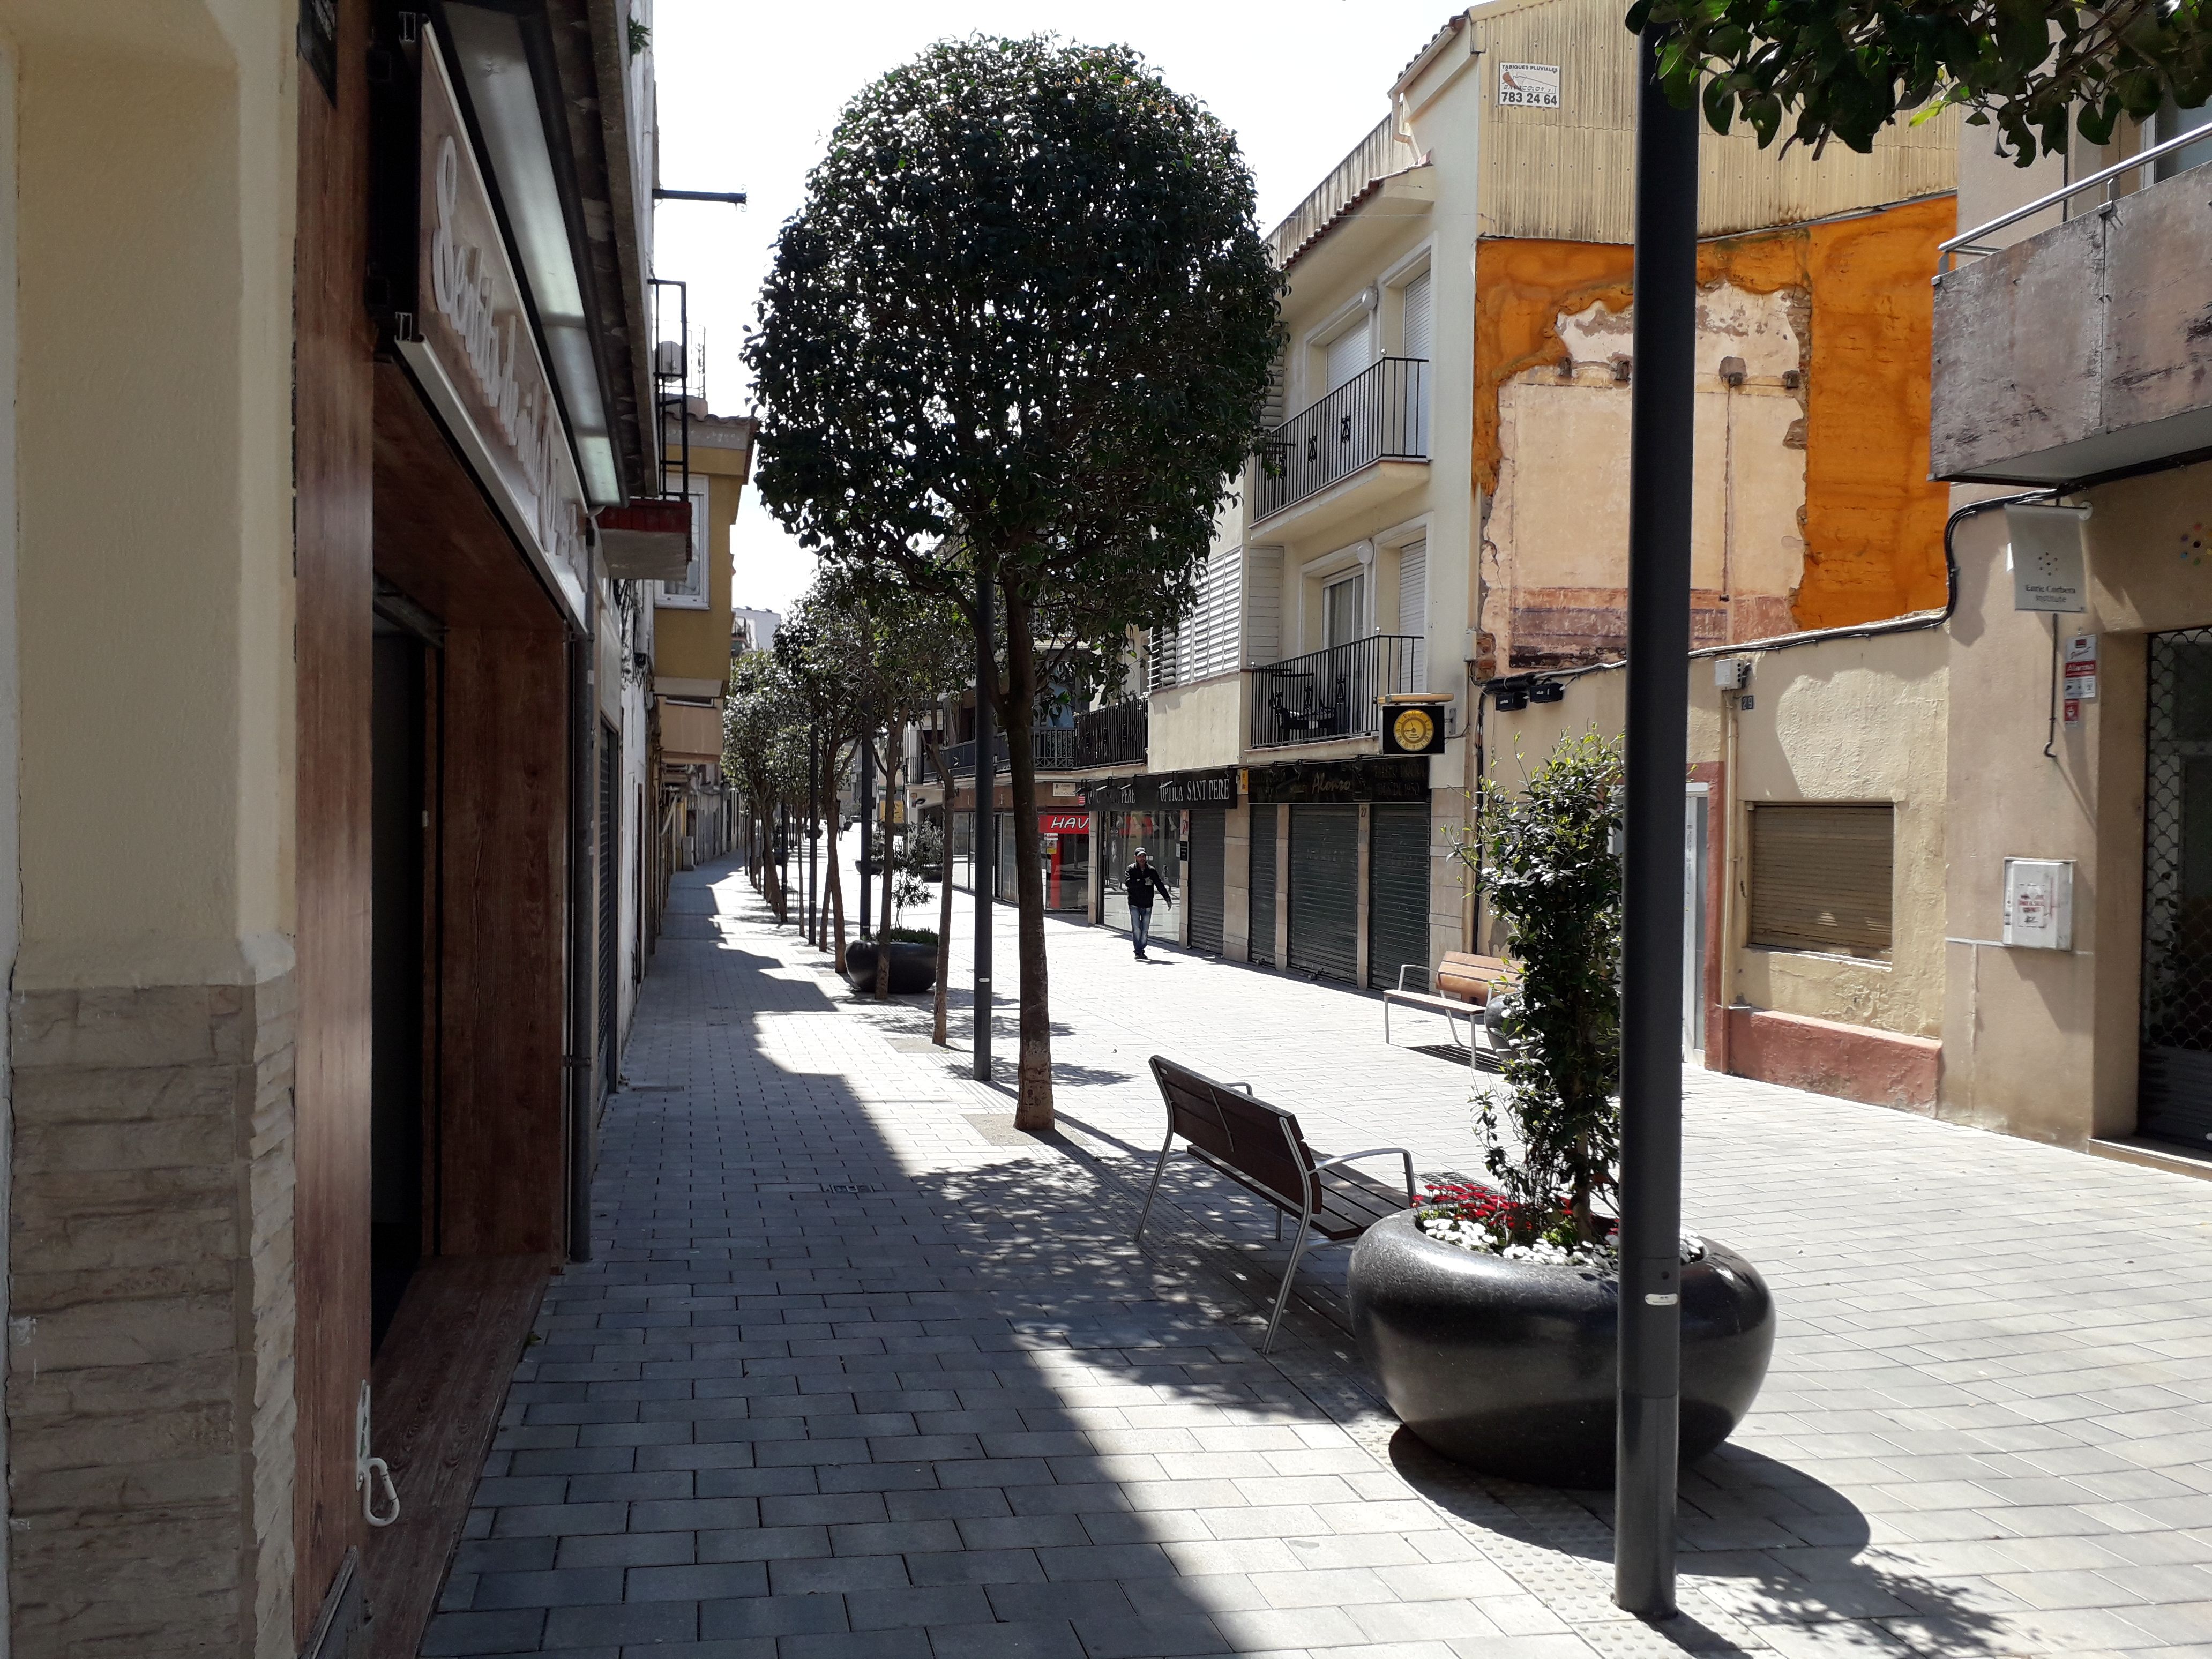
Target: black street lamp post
x=1661, y=451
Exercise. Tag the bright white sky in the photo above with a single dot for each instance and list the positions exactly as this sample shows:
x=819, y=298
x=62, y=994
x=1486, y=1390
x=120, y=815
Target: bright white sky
x=749, y=92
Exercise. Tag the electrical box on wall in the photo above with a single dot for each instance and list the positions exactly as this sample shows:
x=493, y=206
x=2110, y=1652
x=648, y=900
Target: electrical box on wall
x=2038, y=903
x=1731, y=674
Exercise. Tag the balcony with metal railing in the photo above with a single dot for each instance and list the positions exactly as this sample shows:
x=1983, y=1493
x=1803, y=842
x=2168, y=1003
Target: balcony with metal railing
x=1099, y=737
x=1327, y=696
x=1378, y=418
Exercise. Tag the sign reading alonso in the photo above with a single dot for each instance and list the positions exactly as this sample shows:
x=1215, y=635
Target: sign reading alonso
x=476, y=357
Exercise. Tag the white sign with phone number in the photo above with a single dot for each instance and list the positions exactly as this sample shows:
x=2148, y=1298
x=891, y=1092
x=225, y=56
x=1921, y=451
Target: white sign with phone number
x=1528, y=86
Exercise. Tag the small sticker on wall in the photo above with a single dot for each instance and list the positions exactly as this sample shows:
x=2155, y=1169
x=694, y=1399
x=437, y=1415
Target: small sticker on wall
x=1528, y=86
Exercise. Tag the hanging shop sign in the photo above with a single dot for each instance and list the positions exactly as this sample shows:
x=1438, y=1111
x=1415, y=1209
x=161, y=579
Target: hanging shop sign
x=1063, y=823
x=2047, y=557
x=1413, y=724
x=458, y=320
x=1350, y=781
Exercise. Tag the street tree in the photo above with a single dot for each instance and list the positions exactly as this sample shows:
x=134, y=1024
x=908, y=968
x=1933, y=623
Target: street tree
x=764, y=754
x=864, y=662
x=1018, y=337
x=1848, y=68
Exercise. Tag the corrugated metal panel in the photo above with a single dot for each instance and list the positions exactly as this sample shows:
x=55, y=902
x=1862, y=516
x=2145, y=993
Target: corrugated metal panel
x=1261, y=927
x=1375, y=156
x=1209, y=829
x=1569, y=172
x=1821, y=877
x=1325, y=891
x=1397, y=894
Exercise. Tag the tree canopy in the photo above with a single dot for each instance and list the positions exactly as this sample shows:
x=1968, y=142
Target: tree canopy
x=1021, y=333
x=1848, y=68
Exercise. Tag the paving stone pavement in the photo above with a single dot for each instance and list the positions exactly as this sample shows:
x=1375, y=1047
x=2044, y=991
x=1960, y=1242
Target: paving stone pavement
x=858, y=1369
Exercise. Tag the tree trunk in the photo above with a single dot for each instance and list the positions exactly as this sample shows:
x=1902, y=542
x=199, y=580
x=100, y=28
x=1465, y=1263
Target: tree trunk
x=1033, y=1106
x=893, y=738
x=837, y=881
x=944, y=890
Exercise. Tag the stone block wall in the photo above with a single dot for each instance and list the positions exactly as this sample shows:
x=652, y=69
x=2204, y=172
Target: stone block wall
x=149, y=1392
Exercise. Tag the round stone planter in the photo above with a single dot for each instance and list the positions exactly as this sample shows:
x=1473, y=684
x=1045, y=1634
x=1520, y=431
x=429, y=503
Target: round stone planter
x=1510, y=1366
x=914, y=966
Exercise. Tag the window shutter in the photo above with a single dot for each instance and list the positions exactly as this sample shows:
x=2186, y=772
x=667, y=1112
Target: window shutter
x=1414, y=605
x=1347, y=355
x=1821, y=877
x=1417, y=332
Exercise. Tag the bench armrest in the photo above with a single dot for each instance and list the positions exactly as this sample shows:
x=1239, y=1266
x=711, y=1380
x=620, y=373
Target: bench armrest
x=1405, y=967
x=1320, y=1164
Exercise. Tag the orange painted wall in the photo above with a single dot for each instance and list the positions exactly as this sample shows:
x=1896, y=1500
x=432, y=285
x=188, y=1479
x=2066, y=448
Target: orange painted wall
x=1873, y=523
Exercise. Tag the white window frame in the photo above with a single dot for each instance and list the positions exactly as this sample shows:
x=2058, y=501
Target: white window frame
x=675, y=597
x=1394, y=280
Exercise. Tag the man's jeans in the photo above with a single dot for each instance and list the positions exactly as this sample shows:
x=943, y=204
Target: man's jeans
x=1140, y=925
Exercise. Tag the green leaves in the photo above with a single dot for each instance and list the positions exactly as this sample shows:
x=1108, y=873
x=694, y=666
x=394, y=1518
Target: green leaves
x=1024, y=320
x=1548, y=868
x=1849, y=67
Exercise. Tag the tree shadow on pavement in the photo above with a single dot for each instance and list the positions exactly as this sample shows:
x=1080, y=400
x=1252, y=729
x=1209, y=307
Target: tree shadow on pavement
x=1762, y=1542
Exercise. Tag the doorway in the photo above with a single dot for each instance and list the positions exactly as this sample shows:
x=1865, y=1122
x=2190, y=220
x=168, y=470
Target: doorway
x=399, y=824
x=2174, y=1074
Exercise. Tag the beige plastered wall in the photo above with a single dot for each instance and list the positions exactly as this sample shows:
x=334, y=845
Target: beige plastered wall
x=1746, y=547
x=2044, y=1043
x=1857, y=721
x=1197, y=725
x=149, y=1393
x=1852, y=720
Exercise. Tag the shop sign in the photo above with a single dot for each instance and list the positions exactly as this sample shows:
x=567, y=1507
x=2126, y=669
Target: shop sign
x=2047, y=558
x=472, y=348
x=1217, y=788
x=1413, y=728
x=1528, y=86
x=1063, y=823
x=1347, y=780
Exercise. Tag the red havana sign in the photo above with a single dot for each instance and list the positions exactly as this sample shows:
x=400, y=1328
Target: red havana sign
x=1063, y=823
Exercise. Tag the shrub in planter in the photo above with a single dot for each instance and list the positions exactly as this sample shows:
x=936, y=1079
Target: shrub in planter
x=1490, y=1314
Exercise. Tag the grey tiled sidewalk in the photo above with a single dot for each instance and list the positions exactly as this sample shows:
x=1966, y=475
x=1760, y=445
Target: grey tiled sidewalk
x=857, y=1370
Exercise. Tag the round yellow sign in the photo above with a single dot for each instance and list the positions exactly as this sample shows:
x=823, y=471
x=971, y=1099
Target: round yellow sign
x=1412, y=728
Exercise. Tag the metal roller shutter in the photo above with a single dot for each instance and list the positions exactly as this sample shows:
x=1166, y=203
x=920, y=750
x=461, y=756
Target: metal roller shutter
x=1209, y=829
x=1325, y=891
x=1261, y=929
x=1820, y=878
x=1397, y=894
x=610, y=832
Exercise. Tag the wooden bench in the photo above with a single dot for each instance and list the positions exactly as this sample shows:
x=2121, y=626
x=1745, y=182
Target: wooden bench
x=1464, y=984
x=1261, y=1148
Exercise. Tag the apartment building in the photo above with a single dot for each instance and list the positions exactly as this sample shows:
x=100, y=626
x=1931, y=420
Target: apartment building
x=304, y=1053
x=1443, y=503
x=1953, y=862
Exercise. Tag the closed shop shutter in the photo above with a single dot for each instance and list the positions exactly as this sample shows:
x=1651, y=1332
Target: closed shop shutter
x=1820, y=878
x=1263, y=926
x=1209, y=828
x=610, y=835
x=1325, y=891
x=1397, y=896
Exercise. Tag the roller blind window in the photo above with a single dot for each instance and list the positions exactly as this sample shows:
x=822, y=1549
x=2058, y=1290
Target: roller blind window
x=1347, y=355
x=1416, y=332
x=1821, y=877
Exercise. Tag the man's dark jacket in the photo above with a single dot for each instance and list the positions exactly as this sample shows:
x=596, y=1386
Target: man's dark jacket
x=1142, y=881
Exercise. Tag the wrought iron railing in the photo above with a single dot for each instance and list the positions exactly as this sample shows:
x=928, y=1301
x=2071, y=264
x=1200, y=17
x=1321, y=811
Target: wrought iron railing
x=1052, y=748
x=1327, y=694
x=1112, y=736
x=1381, y=413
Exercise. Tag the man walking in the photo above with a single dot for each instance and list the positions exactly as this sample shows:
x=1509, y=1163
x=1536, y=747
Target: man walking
x=1141, y=881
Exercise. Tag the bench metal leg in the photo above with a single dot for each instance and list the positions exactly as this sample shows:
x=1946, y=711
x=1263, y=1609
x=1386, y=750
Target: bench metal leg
x=1153, y=1191
x=1385, y=1020
x=1283, y=1295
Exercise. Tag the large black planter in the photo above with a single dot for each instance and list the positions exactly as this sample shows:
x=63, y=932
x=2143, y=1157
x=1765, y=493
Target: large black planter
x=1510, y=1366
x=914, y=966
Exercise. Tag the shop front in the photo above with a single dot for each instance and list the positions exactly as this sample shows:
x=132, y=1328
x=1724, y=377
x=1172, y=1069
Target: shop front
x=1159, y=812
x=1325, y=823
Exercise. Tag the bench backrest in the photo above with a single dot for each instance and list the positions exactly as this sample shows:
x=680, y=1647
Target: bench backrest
x=1260, y=1142
x=1470, y=977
